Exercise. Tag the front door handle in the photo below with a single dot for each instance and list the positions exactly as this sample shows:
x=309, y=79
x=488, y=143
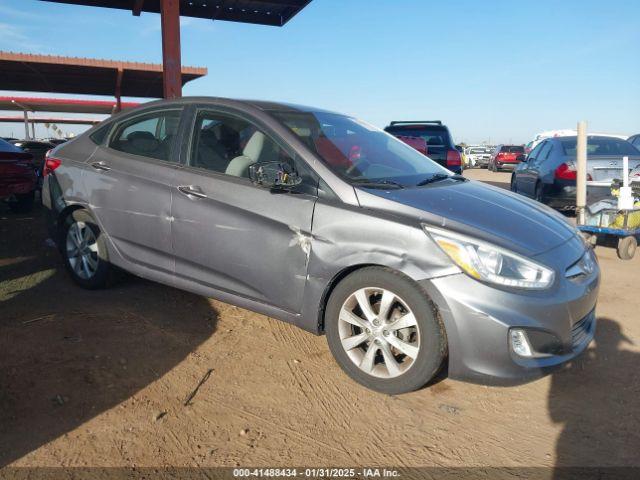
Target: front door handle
x=101, y=166
x=192, y=191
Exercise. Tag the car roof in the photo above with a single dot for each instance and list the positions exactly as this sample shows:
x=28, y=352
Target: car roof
x=265, y=105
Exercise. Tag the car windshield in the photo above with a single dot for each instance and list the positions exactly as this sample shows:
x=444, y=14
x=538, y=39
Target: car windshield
x=600, y=146
x=358, y=152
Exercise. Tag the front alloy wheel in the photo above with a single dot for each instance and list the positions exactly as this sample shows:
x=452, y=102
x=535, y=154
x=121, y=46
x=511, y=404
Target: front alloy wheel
x=384, y=331
x=379, y=332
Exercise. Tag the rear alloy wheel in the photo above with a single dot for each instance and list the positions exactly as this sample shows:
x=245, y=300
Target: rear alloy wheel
x=383, y=331
x=85, y=252
x=627, y=248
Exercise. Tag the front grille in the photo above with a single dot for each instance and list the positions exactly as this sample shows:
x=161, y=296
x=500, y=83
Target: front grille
x=582, y=329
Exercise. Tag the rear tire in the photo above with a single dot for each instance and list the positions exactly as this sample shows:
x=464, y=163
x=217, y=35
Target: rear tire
x=627, y=248
x=393, y=350
x=84, y=251
x=23, y=203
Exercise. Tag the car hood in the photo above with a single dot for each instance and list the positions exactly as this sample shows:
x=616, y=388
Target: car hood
x=479, y=210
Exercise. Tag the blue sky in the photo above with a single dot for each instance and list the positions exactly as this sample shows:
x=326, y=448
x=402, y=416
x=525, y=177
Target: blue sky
x=490, y=69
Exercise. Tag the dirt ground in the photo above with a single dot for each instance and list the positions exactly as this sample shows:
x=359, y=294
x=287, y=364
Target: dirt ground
x=102, y=379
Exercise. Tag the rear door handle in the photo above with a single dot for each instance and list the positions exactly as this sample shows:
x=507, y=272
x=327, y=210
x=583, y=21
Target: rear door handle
x=101, y=166
x=192, y=191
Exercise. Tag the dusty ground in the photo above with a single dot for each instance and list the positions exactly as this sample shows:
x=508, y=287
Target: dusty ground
x=101, y=379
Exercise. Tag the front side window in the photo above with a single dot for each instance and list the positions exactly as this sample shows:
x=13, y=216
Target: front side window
x=150, y=135
x=358, y=152
x=230, y=145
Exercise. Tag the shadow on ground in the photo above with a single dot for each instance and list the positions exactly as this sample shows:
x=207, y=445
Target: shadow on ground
x=67, y=354
x=597, y=399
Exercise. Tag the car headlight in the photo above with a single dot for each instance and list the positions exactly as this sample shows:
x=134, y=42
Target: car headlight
x=492, y=264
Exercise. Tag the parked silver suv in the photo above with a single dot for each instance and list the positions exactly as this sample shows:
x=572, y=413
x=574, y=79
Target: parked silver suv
x=331, y=224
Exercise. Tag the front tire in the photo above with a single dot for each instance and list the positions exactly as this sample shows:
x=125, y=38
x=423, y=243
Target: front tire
x=384, y=331
x=85, y=252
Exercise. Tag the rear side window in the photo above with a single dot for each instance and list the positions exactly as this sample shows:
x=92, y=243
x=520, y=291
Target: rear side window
x=100, y=134
x=149, y=135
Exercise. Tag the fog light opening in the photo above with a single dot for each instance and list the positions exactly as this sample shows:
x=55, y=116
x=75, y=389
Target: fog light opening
x=520, y=343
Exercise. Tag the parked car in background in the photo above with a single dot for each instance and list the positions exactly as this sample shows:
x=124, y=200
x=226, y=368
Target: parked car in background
x=478, y=156
x=415, y=142
x=635, y=141
x=463, y=159
x=18, y=179
x=440, y=146
x=505, y=157
x=331, y=224
x=549, y=172
x=37, y=149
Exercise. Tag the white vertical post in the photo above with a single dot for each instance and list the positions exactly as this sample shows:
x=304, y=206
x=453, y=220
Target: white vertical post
x=581, y=179
x=26, y=125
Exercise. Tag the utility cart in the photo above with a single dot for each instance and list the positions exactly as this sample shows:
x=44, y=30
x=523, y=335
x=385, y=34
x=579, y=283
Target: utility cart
x=613, y=227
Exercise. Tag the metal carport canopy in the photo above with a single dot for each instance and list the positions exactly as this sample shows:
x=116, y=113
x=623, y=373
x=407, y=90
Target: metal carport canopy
x=261, y=12
x=54, y=74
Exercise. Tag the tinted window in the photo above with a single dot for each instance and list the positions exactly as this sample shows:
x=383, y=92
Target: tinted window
x=99, y=135
x=544, y=152
x=600, y=146
x=512, y=149
x=636, y=142
x=230, y=145
x=434, y=136
x=359, y=152
x=149, y=135
x=536, y=151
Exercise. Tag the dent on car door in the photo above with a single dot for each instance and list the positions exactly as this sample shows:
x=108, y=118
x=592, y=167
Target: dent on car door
x=230, y=235
x=129, y=180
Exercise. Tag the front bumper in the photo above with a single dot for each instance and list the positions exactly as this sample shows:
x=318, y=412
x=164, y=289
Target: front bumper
x=478, y=318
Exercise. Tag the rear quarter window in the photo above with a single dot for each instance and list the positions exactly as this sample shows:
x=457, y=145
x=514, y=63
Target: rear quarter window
x=98, y=137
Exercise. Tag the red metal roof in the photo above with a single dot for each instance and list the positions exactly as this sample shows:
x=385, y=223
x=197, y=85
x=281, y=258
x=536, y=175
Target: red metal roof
x=60, y=121
x=36, y=104
x=88, y=76
x=262, y=12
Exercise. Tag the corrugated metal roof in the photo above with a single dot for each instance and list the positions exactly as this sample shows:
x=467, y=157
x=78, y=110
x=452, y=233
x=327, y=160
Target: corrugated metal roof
x=47, y=73
x=261, y=12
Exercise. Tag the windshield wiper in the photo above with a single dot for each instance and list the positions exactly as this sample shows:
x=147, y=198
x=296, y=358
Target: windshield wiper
x=437, y=177
x=363, y=182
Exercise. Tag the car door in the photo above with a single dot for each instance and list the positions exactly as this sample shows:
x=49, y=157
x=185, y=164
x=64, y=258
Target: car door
x=129, y=181
x=229, y=234
x=529, y=174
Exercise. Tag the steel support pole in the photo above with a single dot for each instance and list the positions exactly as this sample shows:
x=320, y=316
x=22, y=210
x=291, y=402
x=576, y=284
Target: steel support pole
x=171, y=61
x=581, y=179
x=33, y=130
x=26, y=125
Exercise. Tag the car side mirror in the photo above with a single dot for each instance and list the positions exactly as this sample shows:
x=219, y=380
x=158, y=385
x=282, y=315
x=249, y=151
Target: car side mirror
x=521, y=158
x=276, y=175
